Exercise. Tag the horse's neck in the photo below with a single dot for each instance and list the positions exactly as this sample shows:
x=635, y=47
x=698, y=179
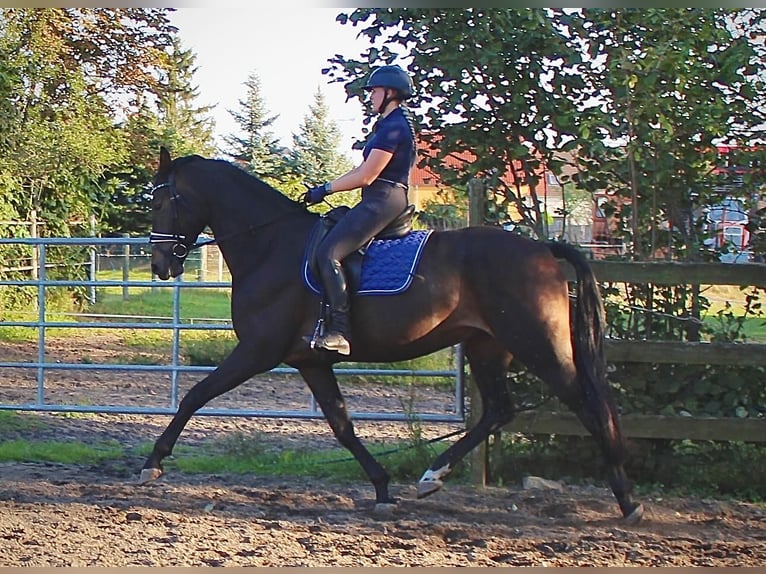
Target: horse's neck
x=246, y=232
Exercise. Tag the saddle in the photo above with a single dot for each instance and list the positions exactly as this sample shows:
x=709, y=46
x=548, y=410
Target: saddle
x=352, y=264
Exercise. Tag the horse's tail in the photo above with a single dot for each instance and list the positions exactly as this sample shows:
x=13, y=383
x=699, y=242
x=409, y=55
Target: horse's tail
x=588, y=346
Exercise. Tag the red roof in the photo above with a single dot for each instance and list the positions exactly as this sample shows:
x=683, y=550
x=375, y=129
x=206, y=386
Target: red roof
x=424, y=176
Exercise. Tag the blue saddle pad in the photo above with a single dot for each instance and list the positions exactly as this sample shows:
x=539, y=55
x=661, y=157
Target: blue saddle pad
x=388, y=265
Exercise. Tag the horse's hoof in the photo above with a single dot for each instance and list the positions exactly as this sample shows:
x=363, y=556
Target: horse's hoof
x=149, y=474
x=635, y=516
x=428, y=486
x=384, y=508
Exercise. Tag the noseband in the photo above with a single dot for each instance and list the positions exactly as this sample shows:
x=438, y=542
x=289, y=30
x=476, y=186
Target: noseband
x=180, y=248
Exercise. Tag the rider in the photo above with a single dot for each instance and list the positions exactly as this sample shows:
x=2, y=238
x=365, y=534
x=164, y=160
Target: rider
x=388, y=155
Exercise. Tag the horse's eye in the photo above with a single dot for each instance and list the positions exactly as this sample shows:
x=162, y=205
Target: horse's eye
x=156, y=203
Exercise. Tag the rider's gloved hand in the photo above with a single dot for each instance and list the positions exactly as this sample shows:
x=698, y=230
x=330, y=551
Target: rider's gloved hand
x=315, y=194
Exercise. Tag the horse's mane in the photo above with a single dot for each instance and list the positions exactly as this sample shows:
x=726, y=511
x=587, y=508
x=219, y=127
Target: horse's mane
x=244, y=179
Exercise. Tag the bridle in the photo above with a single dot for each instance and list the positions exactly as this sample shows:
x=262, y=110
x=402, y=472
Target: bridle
x=180, y=247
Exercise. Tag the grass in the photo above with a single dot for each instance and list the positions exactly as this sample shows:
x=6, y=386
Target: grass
x=19, y=450
x=235, y=453
x=12, y=422
x=195, y=304
x=702, y=468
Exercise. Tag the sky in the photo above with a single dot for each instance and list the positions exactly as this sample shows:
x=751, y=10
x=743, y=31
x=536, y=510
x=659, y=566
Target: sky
x=287, y=47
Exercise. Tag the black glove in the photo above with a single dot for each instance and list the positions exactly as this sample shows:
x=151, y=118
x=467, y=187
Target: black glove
x=315, y=194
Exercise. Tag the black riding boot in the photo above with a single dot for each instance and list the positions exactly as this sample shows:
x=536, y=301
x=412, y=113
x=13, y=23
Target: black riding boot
x=337, y=334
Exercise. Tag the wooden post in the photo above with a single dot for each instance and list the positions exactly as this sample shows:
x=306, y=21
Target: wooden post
x=478, y=457
x=125, y=268
x=202, y=270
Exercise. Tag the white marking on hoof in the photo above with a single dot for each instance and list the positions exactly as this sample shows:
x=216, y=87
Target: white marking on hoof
x=149, y=474
x=635, y=516
x=431, y=481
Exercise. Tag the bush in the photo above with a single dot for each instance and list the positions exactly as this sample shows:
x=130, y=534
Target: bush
x=704, y=468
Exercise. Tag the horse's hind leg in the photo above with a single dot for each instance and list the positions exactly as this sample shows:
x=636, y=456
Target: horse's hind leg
x=591, y=400
x=233, y=371
x=324, y=386
x=489, y=364
x=600, y=418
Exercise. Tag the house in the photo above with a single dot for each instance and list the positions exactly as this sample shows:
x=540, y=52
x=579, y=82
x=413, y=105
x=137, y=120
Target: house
x=584, y=223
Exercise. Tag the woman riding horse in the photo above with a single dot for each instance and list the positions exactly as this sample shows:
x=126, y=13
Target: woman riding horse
x=383, y=176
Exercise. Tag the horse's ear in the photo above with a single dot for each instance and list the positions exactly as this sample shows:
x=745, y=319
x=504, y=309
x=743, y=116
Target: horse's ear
x=164, y=158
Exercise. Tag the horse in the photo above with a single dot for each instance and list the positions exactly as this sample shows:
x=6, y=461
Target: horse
x=501, y=295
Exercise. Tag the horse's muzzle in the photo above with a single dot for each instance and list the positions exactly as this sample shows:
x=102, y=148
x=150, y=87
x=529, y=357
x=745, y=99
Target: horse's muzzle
x=165, y=265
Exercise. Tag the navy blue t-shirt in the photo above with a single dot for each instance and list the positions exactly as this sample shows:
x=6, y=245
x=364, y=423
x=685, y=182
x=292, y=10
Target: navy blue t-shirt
x=392, y=134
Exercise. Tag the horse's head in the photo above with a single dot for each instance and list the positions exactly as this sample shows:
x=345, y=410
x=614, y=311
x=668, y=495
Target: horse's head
x=176, y=220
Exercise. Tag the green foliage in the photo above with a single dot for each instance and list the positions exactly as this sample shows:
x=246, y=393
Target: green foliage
x=315, y=157
x=70, y=67
x=186, y=128
x=638, y=96
x=255, y=148
x=674, y=313
x=441, y=215
x=58, y=451
x=702, y=468
x=121, y=199
x=698, y=390
x=676, y=82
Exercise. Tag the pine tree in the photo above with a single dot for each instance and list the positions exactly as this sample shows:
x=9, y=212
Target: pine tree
x=257, y=149
x=172, y=120
x=186, y=129
x=315, y=157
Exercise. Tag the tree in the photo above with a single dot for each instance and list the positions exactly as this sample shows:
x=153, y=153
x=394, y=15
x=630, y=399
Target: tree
x=186, y=128
x=315, y=157
x=74, y=71
x=62, y=136
x=174, y=122
x=496, y=83
x=122, y=202
x=255, y=148
x=638, y=96
x=672, y=83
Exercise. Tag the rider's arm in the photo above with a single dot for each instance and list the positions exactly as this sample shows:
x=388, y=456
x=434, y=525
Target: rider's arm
x=363, y=174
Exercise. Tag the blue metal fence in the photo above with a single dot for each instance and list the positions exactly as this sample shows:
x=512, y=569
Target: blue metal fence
x=43, y=322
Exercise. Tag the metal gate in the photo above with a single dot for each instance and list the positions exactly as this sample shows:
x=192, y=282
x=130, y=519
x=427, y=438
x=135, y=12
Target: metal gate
x=124, y=255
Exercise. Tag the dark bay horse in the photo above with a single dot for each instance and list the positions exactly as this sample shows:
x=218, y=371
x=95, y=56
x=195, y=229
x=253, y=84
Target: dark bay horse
x=504, y=296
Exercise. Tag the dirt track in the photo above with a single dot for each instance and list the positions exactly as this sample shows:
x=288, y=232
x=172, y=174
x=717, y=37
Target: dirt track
x=53, y=515
x=62, y=515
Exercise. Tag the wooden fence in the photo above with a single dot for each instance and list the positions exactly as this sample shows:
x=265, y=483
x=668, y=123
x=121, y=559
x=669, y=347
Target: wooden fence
x=647, y=426
x=619, y=351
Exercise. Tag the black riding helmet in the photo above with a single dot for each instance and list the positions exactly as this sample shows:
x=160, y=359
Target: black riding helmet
x=392, y=77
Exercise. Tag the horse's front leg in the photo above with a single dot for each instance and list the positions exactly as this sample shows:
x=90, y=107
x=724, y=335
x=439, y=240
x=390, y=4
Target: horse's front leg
x=235, y=369
x=324, y=386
